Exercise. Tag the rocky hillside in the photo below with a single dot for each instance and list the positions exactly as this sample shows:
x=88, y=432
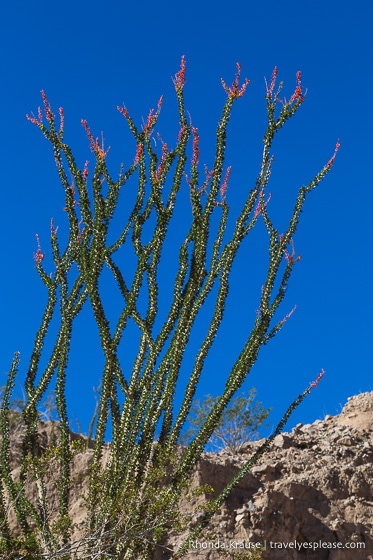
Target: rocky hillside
x=313, y=489
x=310, y=497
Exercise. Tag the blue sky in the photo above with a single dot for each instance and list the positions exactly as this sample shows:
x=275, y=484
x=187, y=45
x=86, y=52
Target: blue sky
x=90, y=57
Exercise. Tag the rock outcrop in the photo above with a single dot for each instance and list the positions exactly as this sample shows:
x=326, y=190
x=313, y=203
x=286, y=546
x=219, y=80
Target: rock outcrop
x=309, y=497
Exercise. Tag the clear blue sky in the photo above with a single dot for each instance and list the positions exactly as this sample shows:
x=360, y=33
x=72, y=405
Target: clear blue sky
x=91, y=56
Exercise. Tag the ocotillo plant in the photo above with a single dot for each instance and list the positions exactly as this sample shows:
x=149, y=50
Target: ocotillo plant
x=133, y=496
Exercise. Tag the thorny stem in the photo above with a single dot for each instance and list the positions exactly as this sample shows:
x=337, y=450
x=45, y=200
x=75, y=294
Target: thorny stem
x=141, y=482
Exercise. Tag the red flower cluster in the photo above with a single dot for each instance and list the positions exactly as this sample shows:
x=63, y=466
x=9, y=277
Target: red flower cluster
x=48, y=113
x=139, y=151
x=47, y=108
x=258, y=208
x=195, y=156
x=288, y=315
x=179, y=79
x=331, y=161
x=290, y=256
x=162, y=160
x=85, y=170
x=124, y=111
x=38, y=256
x=314, y=384
x=298, y=94
x=181, y=132
x=224, y=185
x=62, y=119
x=94, y=143
x=152, y=117
x=271, y=86
x=235, y=91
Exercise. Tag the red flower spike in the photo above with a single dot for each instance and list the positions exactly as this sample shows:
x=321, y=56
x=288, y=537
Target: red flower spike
x=38, y=121
x=54, y=230
x=152, y=118
x=88, y=132
x=233, y=92
x=138, y=155
x=290, y=256
x=72, y=189
x=288, y=315
x=179, y=79
x=62, y=119
x=208, y=176
x=100, y=150
x=298, y=94
x=258, y=208
x=33, y=119
x=314, y=384
x=85, y=170
x=149, y=123
x=224, y=186
x=196, y=154
x=162, y=160
x=181, y=131
x=47, y=108
x=331, y=161
x=271, y=86
x=164, y=151
x=38, y=256
x=124, y=111
x=96, y=148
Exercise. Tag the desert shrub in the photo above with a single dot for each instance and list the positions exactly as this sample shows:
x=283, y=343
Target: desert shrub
x=238, y=424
